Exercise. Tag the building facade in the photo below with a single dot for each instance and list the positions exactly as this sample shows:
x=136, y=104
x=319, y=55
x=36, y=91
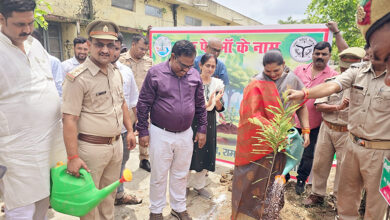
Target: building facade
x=69, y=18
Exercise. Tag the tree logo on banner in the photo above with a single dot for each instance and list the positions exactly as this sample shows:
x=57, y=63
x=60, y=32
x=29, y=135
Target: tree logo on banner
x=162, y=46
x=302, y=48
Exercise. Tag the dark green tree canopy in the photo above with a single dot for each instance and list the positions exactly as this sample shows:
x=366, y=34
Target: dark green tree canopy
x=341, y=11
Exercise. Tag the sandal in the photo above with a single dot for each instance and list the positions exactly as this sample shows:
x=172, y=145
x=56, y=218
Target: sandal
x=128, y=200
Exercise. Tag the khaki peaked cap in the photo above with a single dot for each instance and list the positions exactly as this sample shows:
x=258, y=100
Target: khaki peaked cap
x=100, y=29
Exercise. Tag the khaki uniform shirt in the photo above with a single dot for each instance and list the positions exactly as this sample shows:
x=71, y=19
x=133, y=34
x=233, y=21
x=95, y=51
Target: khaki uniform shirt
x=96, y=98
x=369, y=107
x=337, y=117
x=140, y=68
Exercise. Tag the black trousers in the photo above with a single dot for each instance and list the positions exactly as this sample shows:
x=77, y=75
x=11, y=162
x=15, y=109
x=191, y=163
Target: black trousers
x=308, y=155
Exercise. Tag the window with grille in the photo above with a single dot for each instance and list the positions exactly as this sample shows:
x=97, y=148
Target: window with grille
x=153, y=11
x=51, y=39
x=193, y=21
x=125, y=4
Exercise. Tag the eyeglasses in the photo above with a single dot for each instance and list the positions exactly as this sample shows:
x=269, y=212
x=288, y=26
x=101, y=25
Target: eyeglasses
x=182, y=65
x=215, y=50
x=100, y=45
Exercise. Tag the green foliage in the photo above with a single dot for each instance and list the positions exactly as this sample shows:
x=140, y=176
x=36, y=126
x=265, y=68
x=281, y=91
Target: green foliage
x=239, y=77
x=290, y=20
x=231, y=115
x=43, y=8
x=340, y=11
x=274, y=132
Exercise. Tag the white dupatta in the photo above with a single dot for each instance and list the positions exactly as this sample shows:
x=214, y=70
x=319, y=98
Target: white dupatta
x=209, y=89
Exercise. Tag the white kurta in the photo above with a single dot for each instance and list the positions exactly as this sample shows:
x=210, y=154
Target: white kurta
x=30, y=123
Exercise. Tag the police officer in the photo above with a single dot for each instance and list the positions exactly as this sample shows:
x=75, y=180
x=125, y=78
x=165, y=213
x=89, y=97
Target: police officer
x=94, y=110
x=333, y=132
x=139, y=63
x=373, y=20
x=368, y=141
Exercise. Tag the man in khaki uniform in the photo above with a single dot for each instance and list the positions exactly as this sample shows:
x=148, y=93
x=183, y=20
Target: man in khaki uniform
x=368, y=142
x=93, y=113
x=333, y=132
x=373, y=19
x=140, y=64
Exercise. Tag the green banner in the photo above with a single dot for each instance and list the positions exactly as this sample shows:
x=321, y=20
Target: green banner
x=384, y=188
x=242, y=52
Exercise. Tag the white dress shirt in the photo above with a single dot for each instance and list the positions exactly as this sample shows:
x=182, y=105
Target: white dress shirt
x=30, y=122
x=130, y=90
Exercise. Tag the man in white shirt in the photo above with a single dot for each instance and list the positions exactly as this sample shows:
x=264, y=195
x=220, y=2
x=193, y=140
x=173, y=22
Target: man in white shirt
x=130, y=93
x=80, y=54
x=30, y=126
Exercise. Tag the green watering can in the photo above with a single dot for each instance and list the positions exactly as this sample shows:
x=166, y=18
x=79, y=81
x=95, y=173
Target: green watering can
x=78, y=196
x=296, y=150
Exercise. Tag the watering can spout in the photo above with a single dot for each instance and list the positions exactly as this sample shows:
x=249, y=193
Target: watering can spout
x=78, y=196
x=295, y=150
x=103, y=193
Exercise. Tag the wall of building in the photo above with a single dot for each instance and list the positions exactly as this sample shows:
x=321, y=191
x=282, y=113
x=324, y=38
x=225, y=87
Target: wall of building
x=74, y=15
x=206, y=19
x=137, y=18
x=221, y=12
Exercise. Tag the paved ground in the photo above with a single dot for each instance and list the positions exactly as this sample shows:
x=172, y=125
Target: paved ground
x=219, y=208
x=198, y=207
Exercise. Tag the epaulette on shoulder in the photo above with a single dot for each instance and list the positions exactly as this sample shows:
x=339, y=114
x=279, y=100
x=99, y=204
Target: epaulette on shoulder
x=148, y=59
x=330, y=79
x=71, y=76
x=358, y=65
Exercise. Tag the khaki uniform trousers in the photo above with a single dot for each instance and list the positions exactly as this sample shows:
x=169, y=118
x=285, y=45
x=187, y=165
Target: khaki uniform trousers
x=329, y=142
x=104, y=161
x=361, y=168
x=143, y=153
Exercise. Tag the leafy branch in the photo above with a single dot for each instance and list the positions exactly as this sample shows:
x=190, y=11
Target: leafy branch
x=43, y=8
x=273, y=133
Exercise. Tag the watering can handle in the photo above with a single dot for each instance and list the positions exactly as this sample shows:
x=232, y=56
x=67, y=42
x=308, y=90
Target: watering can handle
x=85, y=175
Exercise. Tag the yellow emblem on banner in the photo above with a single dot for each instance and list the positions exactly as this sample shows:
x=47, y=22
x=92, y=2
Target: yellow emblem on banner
x=360, y=14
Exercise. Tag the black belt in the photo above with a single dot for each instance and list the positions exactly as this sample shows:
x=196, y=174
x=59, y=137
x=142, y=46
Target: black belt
x=165, y=128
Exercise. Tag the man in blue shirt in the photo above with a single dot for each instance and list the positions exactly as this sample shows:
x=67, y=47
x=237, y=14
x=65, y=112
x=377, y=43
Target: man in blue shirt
x=56, y=68
x=214, y=46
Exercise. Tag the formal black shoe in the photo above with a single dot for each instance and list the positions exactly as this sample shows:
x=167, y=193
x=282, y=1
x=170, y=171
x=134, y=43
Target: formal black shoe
x=287, y=177
x=300, y=187
x=144, y=164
